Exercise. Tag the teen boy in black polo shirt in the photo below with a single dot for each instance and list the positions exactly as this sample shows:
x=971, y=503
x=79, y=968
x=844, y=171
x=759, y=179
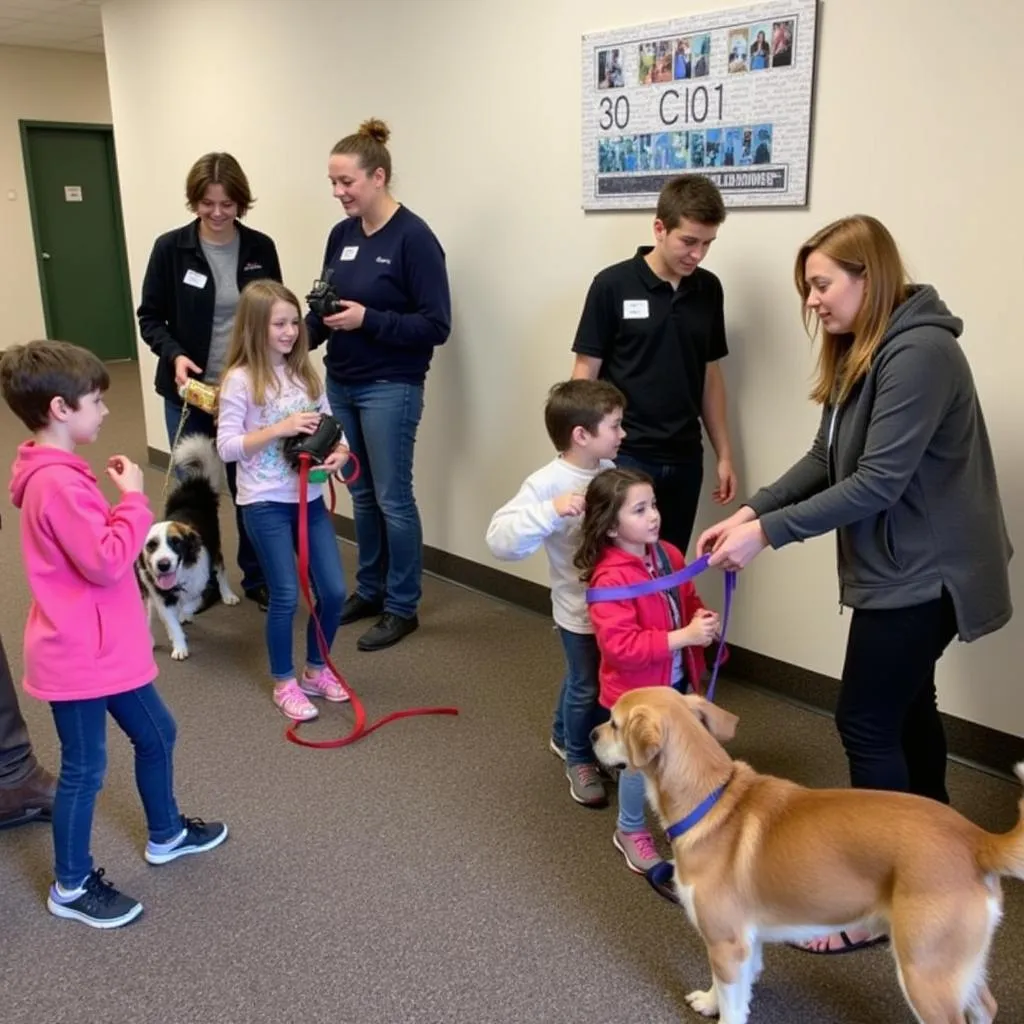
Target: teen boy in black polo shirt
x=654, y=326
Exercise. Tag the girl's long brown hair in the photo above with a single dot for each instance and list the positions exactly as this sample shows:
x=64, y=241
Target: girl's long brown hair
x=249, y=342
x=605, y=497
x=863, y=247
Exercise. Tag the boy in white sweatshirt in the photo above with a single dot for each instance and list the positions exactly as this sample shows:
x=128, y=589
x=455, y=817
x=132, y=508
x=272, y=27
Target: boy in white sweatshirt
x=584, y=422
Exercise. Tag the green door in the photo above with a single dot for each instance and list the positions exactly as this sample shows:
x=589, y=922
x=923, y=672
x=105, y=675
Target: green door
x=76, y=216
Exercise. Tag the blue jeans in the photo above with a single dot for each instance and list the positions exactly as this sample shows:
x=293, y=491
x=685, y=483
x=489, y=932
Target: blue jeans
x=677, y=492
x=632, y=801
x=82, y=728
x=200, y=422
x=274, y=529
x=380, y=422
x=576, y=707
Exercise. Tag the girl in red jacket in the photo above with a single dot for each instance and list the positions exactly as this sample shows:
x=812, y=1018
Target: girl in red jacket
x=646, y=641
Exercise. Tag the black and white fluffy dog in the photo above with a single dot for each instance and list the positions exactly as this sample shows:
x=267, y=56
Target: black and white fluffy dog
x=181, y=568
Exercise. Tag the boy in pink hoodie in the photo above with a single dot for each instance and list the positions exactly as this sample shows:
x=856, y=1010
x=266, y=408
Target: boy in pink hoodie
x=88, y=649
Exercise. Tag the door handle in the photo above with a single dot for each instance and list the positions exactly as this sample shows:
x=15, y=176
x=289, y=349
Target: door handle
x=45, y=255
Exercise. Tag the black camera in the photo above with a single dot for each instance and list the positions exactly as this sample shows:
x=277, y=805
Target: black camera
x=323, y=300
x=316, y=446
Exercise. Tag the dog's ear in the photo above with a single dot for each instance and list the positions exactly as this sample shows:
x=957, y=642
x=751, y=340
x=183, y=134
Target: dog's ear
x=190, y=544
x=643, y=736
x=719, y=722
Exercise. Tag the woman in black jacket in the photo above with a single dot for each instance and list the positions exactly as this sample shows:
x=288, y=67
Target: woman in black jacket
x=189, y=296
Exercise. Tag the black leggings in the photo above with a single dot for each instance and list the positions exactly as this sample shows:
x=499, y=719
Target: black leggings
x=887, y=714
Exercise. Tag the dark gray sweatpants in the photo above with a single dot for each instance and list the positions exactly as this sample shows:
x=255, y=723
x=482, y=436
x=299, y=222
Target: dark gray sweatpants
x=16, y=757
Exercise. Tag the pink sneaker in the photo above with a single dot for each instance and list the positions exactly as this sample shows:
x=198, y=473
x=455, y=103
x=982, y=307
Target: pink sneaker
x=323, y=683
x=294, y=704
x=638, y=848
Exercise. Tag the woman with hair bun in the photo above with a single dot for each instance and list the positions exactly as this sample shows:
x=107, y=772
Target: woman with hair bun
x=394, y=307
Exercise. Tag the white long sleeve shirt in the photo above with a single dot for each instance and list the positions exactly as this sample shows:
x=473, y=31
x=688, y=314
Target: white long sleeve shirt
x=529, y=520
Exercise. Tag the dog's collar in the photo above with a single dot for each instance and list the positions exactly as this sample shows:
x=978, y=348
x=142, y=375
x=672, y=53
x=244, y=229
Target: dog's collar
x=698, y=814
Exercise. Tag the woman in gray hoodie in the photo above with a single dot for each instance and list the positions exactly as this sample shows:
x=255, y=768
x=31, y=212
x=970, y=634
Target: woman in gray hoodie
x=902, y=471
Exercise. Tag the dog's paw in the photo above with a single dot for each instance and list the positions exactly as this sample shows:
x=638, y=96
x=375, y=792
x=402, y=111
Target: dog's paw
x=705, y=1003
x=179, y=653
x=186, y=619
x=231, y=599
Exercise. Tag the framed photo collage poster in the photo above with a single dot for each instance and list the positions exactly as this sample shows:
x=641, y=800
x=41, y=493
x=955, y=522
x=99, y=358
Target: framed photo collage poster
x=727, y=94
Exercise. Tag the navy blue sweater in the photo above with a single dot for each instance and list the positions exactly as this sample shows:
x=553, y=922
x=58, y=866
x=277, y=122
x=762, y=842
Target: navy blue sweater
x=398, y=273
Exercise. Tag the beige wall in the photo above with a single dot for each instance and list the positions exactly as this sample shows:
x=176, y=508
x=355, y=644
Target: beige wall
x=483, y=99
x=35, y=85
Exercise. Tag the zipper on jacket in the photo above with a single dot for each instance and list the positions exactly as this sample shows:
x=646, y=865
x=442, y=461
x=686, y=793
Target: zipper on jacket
x=831, y=476
x=832, y=423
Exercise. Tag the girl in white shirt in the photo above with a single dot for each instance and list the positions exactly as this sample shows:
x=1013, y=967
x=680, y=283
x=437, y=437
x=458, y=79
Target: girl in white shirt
x=270, y=392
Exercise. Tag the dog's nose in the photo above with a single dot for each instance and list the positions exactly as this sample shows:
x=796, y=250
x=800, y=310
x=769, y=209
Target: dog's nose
x=164, y=565
x=593, y=734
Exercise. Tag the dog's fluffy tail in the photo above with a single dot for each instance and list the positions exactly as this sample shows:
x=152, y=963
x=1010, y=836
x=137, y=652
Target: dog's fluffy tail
x=197, y=458
x=1004, y=854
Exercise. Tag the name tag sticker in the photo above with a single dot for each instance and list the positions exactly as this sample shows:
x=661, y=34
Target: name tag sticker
x=348, y=253
x=635, y=309
x=195, y=279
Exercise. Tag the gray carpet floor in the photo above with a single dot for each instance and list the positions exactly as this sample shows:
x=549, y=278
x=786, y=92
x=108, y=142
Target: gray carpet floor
x=435, y=872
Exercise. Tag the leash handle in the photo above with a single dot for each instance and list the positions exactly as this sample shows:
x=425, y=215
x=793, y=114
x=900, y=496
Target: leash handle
x=349, y=480
x=318, y=476
x=359, y=728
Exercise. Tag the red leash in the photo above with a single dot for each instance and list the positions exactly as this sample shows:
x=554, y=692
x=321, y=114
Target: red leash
x=359, y=727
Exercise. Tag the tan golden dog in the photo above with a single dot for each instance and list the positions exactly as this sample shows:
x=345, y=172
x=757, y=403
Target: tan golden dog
x=771, y=861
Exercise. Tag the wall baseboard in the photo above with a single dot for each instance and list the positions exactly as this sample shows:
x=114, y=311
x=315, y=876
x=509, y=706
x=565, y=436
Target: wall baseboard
x=987, y=748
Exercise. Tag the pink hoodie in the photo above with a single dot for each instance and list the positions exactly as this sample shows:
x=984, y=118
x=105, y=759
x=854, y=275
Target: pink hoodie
x=87, y=634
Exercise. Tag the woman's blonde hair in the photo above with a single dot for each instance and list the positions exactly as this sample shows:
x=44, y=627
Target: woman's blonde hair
x=863, y=247
x=249, y=342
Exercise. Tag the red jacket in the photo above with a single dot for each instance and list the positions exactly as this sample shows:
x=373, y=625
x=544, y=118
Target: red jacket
x=632, y=635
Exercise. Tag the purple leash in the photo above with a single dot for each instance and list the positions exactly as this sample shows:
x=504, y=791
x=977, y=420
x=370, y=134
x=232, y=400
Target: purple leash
x=675, y=579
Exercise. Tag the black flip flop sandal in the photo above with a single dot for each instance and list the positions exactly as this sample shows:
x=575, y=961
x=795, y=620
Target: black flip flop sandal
x=848, y=946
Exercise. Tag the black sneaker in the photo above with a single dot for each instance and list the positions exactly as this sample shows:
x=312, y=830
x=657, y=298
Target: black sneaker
x=357, y=607
x=261, y=595
x=198, y=838
x=388, y=630
x=98, y=904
